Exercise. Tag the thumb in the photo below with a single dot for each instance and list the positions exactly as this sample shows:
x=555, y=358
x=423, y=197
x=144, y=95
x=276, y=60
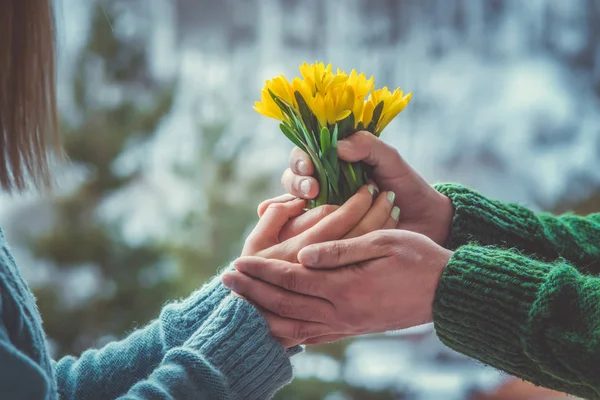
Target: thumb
x=344, y=252
x=364, y=146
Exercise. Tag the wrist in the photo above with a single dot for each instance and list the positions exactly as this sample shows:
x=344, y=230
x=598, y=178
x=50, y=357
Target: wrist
x=441, y=220
x=441, y=260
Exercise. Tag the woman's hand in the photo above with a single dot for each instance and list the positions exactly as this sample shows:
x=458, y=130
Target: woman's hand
x=284, y=228
x=424, y=210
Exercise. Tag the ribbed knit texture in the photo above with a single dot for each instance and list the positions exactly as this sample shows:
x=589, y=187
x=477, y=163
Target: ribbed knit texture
x=178, y=356
x=544, y=236
x=522, y=293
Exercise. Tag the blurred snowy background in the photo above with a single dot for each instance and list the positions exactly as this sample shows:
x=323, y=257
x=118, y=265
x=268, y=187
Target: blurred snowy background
x=169, y=160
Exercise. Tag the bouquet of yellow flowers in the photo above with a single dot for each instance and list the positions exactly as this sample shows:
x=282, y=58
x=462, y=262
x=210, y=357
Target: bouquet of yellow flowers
x=323, y=107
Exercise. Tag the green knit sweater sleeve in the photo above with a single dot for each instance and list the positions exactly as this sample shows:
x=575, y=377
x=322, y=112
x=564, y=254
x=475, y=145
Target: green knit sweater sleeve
x=489, y=222
x=535, y=320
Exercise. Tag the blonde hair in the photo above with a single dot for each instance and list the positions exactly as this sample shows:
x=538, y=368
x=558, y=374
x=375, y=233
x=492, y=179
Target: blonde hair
x=28, y=115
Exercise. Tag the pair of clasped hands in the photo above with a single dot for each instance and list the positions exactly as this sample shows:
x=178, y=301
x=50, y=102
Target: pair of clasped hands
x=332, y=272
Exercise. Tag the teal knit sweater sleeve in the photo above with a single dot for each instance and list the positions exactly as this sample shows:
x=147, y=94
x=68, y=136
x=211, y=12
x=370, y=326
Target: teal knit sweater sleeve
x=179, y=356
x=231, y=356
x=489, y=222
x=132, y=359
x=211, y=345
x=515, y=309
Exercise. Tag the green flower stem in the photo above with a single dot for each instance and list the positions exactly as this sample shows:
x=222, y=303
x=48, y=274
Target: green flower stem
x=322, y=198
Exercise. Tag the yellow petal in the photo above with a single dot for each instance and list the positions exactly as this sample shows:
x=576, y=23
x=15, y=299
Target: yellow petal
x=368, y=113
x=347, y=98
x=303, y=88
x=318, y=108
x=271, y=112
x=357, y=110
x=330, y=112
x=283, y=89
x=342, y=115
x=392, y=112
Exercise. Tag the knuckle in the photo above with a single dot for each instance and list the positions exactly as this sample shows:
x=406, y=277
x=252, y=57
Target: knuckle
x=301, y=331
x=283, y=307
x=289, y=279
x=383, y=240
x=338, y=250
x=321, y=314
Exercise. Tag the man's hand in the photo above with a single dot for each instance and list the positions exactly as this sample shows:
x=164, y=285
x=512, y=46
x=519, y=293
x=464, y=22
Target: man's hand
x=384, y=280
x=423, y=209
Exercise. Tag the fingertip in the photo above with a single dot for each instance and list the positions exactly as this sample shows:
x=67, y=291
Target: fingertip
x=300, y=205
x=356, y=147
x=260, y=210
x=309, y=256
x=236, y=264
x=241, y=264
x=262, y=207
x=396, y=213
x=305, y=187
x=374, y=184
x=229, y=280
x=308, y=188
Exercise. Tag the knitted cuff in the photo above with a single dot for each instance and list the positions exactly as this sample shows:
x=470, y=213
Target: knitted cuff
x=483, y=303
x=488, y=222
x=237, y=341
x=181, y=319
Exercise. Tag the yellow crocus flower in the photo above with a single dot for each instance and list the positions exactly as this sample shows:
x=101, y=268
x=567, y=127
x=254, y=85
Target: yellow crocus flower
x=390, y=111
x=332, y=97
x=267, y=106
x=362, y=86
x=282, y=89
x=335, y=107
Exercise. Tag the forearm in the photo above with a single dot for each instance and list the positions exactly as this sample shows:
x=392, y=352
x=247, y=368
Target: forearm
x=231, y=356
x=489, y=222
x=538, y=321
x=112, y=370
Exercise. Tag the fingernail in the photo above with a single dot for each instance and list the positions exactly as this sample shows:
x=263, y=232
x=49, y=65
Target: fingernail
x=305, y=186
x=302, y=167
x=371, y=189
x=395, y=213
x=229, y=281
x=391, y=196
